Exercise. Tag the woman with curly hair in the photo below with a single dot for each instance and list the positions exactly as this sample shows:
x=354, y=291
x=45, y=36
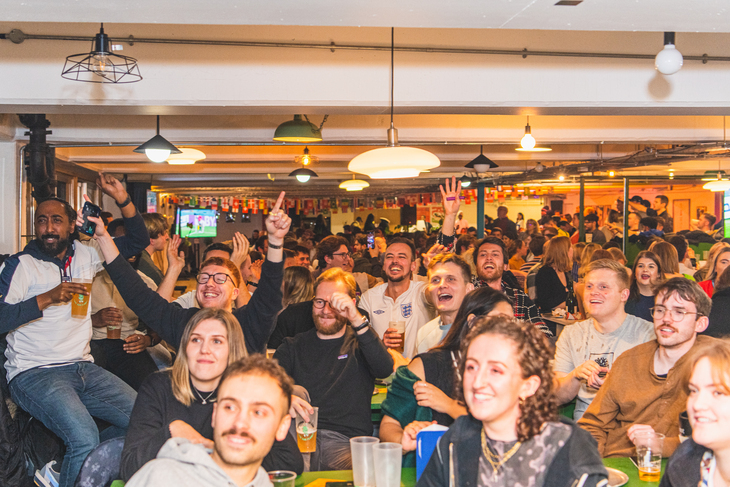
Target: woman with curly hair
x=512, y=434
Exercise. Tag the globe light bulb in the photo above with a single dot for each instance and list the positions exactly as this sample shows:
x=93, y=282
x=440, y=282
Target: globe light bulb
x=302, y=178
x=157, y=155
x=527, y=142
x=669, y=60
x=100, y=63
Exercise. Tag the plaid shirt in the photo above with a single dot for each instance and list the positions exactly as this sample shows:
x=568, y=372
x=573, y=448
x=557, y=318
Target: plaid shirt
x=525, y=309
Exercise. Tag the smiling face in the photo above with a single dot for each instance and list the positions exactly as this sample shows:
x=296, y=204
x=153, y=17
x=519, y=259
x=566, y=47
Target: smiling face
x=673, y=334
x=399, y=264
x=340, y=258
x=490, y=262
x=447, y=287
x=603, y=296
x=250, y=414
x=326, y=320
x=53, y=228
x=708, y=408
x=647, y=273
x=207, y=354
x=214, y=295
x=493, y=383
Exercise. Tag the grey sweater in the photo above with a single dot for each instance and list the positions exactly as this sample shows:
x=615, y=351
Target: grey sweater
x=183, y=464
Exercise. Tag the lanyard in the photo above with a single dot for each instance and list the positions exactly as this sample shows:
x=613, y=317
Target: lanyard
x=65, y=271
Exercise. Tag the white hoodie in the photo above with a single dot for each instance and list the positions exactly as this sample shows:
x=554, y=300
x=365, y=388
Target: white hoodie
x=183, y=464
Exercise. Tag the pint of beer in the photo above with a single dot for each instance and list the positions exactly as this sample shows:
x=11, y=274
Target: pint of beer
x=79, y=302
x=400, y=326
x=307, y=432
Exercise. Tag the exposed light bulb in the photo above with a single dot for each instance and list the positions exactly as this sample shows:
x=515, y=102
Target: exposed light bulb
x=611, y=174
x=669, y=60
x=561, y=177
x=100, y=63
x=528, y=141
x=302, y=178
x=157, y=155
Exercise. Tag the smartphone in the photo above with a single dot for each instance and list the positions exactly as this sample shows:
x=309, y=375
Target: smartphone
x=88, y=227
x=371, y=240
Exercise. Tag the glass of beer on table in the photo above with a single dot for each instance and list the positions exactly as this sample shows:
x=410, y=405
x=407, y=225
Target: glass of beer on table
x=307, y=432
x=649, y=455
x=80, y=302
x=400, y=327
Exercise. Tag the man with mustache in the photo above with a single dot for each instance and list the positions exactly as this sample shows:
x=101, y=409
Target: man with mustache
x=337, y=362
x=251, y=412
x=49, y=366
x=491, y=260
x=645, y=390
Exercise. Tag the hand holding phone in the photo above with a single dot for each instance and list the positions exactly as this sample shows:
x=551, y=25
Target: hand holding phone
x=90, y=209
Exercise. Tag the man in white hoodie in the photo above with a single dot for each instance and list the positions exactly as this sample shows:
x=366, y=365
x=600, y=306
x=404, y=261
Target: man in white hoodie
x=252, y=410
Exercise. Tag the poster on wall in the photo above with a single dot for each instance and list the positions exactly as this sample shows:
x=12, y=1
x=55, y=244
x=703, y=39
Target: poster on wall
x=151, y=202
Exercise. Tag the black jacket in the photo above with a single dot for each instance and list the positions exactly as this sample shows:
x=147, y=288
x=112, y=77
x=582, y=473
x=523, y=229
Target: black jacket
x=257, y=319
x=683, y=468
x=578, y=456
x=719, y=315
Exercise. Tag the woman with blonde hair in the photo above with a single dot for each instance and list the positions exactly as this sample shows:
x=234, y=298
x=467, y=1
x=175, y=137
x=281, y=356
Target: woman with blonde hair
x=704, y=459
x=178, y=403
x=554, y=280
x=512, y=434
x=298, y=285
x=716, y=268
x=702, y=273
x=585, y=258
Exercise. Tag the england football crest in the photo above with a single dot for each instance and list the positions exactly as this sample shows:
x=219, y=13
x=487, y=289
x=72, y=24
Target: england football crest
x=406, y=310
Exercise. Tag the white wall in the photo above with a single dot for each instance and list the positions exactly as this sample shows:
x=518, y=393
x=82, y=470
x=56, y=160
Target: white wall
x=9, y=172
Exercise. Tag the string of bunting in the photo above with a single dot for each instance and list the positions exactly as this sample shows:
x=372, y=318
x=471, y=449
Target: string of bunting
x=232, y=204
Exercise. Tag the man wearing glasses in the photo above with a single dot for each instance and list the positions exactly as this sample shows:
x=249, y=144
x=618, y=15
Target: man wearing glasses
x=645, y=391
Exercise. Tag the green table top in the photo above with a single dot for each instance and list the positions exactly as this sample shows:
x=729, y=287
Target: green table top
x=408, y=475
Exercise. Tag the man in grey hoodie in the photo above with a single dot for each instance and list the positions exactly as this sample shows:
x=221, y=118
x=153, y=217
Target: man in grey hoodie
x=252, y=410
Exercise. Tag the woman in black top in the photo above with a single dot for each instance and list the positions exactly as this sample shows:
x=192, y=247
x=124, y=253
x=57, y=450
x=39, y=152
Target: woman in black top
x=179, y=402
x=646, y=276
x=424, y=391
x=554, y=277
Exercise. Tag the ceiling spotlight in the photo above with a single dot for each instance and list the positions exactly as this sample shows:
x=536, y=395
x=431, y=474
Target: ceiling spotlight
x=187, y=157
x=611, y=173
x=465, y=181
x=298, y=130
x=669, y=60
x=303, y=174
x=561, y=177
x=481, y=163
x=101, y=65
x=393, y=161
x=354, y=184
x=157, y=149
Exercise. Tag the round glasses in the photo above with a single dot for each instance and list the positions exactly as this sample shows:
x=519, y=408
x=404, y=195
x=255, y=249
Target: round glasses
x=219, y=278
x=658, y=313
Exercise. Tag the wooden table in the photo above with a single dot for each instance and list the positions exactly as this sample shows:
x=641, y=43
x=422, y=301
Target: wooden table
x=408, y=475
x=560, y=323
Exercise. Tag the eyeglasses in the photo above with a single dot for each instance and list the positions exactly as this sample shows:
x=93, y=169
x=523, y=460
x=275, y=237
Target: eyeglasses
x=658, y=313
x=319, y=303
x=219, y=278
x=343, y=254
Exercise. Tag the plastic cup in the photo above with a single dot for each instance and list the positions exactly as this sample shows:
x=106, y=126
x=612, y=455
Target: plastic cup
x=283, y=478
x=400, y=327
x=79, y=302
x=363, y=464
x=388, y=458
x=307, y=432
x=649, y=455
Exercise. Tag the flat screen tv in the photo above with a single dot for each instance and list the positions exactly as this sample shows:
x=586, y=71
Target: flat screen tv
x=197, y=223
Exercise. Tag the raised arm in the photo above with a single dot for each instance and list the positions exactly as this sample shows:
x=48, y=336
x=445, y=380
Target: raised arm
x=450, y=199
x=136, y=238
x=176, y=263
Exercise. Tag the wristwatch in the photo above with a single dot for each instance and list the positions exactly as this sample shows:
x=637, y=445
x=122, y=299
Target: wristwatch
x=365, y=322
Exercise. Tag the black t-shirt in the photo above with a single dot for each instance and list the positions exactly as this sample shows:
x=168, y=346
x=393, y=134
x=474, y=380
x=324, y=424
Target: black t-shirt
x=339, y=375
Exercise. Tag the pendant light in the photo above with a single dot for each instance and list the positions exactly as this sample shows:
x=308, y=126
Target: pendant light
x=157, y=149
x=306, y=159
x=465, y=181
x=101, y=65
x=298, y=130
x=669, y=60
x=186, y=157
x=393, y=161
x=528, y=144
x=481, y=163
x=354, y=184
x=303, y=174
x=719, y=184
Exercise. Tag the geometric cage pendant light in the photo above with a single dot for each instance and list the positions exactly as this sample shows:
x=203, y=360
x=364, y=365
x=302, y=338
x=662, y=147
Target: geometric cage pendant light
x=157, y=149
x=393, y=161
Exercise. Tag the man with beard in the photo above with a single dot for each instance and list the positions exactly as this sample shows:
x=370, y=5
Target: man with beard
x=401, y=300
x=645, y=390
x=337, y=362
x=250, y=413
x=49, y=365
x=491, y=260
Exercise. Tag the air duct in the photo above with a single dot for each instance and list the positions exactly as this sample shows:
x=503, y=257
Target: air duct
x=39, y=157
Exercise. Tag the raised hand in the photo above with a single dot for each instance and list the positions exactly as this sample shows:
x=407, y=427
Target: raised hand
x=450, y=196
x=111, y=186
x=278, y=222
x=240, y=249
x=175, y=259
x=432, y=252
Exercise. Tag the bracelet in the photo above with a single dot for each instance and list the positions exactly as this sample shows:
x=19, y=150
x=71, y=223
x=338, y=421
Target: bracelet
x=364, y=323
x=277, y=247
x=125, y=202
